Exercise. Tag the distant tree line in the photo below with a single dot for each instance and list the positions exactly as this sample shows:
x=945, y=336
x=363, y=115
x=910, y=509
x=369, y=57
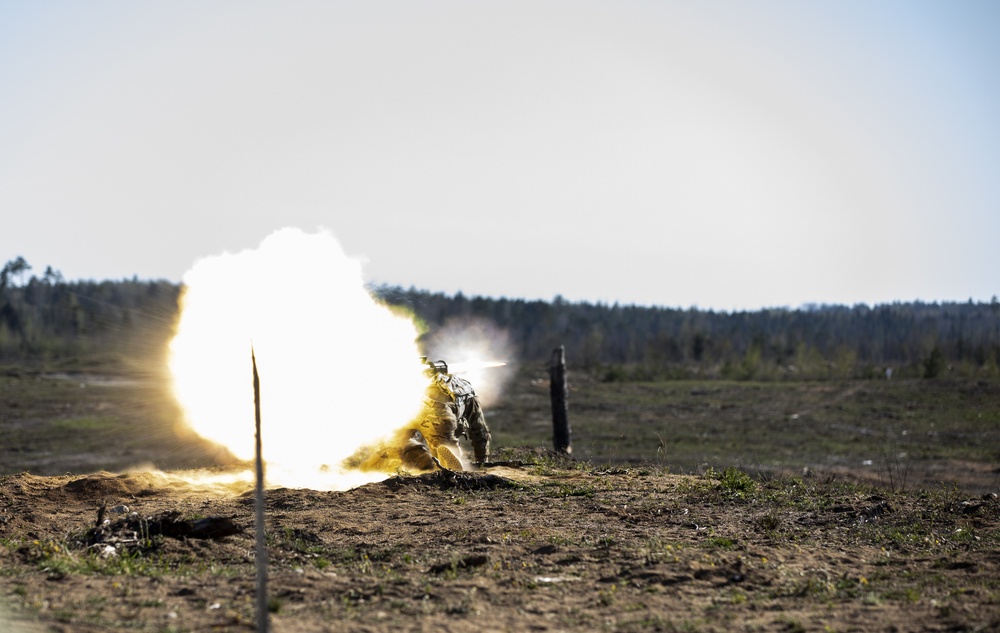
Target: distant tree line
x=628, y=342
x=45, y=318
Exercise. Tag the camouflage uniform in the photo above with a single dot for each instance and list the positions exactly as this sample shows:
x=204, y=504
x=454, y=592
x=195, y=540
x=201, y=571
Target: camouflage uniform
x=451, y=410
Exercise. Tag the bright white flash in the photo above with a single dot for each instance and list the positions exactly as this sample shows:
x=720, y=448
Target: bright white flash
x=478, y=351
x=337, y=370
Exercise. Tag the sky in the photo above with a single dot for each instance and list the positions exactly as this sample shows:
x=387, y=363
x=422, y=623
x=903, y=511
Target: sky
x=717, y=154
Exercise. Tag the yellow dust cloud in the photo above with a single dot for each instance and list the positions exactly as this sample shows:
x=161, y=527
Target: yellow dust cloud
x=337, y=370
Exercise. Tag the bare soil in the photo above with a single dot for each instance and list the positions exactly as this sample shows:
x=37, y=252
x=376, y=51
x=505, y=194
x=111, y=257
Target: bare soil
x=535, y=542
x=547, y=546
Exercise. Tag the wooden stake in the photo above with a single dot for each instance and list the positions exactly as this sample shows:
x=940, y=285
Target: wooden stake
x=559, y=391
x=262, y=606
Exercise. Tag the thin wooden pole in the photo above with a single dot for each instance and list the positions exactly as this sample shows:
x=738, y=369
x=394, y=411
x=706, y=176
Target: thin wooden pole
x=262, y=606
x=560, y=408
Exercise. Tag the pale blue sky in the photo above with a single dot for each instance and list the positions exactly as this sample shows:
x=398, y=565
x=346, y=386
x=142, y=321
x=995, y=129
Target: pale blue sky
x=719, y=154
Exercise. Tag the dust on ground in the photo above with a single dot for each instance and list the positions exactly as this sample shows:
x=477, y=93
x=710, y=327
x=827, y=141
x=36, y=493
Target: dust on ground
x=541, y=544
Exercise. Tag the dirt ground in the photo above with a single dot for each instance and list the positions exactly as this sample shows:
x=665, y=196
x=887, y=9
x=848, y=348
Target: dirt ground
x=539, y=544
x=532, y=543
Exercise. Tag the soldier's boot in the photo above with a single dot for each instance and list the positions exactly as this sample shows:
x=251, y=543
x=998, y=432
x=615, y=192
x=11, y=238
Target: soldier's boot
x=446, y=455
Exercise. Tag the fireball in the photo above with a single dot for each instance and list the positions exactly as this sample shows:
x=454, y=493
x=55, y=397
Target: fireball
x=338, y=371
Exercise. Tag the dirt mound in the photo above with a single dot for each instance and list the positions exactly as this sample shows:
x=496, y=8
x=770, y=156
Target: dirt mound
x=448, y=480
x=104, y=484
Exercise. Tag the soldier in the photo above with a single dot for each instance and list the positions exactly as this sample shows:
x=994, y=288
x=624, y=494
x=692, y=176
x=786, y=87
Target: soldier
x=451, y=411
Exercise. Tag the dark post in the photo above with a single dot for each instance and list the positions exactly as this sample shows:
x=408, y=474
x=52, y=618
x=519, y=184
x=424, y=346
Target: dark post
x=558, y=390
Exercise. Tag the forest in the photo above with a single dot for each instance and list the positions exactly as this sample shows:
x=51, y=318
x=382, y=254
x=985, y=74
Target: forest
x=44, y=318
